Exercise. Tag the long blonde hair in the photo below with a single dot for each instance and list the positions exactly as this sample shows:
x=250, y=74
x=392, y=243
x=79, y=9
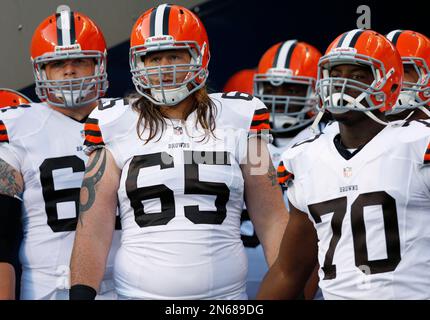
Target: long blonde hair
x=154, y=120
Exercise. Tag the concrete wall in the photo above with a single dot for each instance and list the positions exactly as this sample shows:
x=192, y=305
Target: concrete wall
x=19, y=18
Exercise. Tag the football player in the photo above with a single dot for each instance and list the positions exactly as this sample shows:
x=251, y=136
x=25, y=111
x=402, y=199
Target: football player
x=285, y=82
x=10, y=230
x=359, y=199
x=414, y=99
x=41, y=156
x=181, y=162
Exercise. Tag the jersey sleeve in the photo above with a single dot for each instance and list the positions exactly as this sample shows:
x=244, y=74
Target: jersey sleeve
x=426, y=156
x=11, y=131
x=260, y=123
x=425, y=167
x=283, y=175
x=416, y=134
x=105, y=127
x=289, y=170
x=93, y=136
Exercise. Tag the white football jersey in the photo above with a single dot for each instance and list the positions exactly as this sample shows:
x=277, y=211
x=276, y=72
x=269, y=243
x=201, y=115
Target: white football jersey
x=370, y=210
x=47, y=148
x=180, y=199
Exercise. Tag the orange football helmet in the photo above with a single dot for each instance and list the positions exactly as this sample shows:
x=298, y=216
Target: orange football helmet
x=169, y=27
x=365, y=48
x=414, y=48
x=69, y=35
x=289, y=62
x=12, y=98
x=242, y=81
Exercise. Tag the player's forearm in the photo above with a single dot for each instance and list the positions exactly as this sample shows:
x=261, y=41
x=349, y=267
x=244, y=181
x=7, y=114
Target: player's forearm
x=311, y=286
x=278, y=285
x=7, y=281
x=270, y=217
x=88, y=260
x=98, y=203
x=271, y=237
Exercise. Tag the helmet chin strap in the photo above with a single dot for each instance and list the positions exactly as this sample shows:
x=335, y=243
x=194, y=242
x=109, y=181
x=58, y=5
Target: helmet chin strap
x=355, y=102
x=170, y=96
x=314, y=126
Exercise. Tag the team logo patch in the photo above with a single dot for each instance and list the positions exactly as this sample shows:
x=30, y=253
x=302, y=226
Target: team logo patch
x=178, y=130
x=347, y=172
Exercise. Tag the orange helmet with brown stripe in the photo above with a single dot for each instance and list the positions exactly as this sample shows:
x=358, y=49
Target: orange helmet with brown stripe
x=284, y=64
x=241, y=81
x=414, y=49
x=364, y=48
x=69, y=35
x=169, y=27
x=12, y=98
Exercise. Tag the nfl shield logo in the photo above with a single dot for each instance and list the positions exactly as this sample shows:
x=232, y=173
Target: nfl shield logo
x=178, y=130
x=347, y=172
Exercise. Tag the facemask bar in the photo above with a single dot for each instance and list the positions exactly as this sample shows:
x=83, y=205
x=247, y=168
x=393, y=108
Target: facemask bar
x=172, y=92
x=333, y=90
x=281, y=106
x=412, y=92
x=74, y=93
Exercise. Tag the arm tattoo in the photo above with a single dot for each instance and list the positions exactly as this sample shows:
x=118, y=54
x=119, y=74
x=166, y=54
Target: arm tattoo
x=90, y=181
x=8, y=180
x=272, y=175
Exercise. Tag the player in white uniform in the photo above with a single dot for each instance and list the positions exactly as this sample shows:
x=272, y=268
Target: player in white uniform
x=285, y=82
x=176, y=160
x=414, y=99
x=10, y=227
x=41, y=148
x=359, y=200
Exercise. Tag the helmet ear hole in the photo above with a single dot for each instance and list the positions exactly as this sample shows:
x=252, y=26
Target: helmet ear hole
x=394, y=87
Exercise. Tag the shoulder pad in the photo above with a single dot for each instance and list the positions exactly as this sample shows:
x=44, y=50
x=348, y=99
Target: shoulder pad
x=109, y=110
x=416, y=135
x=241, y=110
x=20, y=121
x=303, y=151
x=13, y=112
x=411, y=130
x=303, y=144
x=111, y=120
